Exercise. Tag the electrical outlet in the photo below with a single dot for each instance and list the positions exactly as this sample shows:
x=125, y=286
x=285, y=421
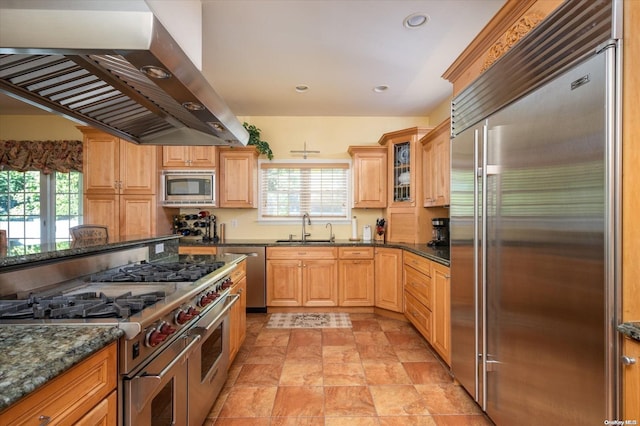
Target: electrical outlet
x=159, y=248
x=234, y=223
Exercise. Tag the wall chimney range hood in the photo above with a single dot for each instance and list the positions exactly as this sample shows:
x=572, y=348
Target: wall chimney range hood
x=118, y=71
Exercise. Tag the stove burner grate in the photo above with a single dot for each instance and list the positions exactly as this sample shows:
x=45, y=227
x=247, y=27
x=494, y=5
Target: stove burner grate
x=80, y=305
x=154, y=272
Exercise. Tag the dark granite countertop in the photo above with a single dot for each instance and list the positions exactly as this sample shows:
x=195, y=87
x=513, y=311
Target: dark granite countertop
x=631, y=329
x=31, y=355
x=437, y=254
x=50, y=252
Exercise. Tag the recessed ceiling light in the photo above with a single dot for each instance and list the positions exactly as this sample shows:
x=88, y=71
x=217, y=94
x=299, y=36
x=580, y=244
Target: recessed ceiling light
x=301, y=88
x=416, y=20
x=381, y=88
x=192, y=106
x=153, y=71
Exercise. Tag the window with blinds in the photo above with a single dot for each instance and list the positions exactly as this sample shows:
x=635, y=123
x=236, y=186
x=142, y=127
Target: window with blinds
x=288, y=190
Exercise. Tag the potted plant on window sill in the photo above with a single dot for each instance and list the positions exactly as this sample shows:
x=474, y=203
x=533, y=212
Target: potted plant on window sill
x=254, y=139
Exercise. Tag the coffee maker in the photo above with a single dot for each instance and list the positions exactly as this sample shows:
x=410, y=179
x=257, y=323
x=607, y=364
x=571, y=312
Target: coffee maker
x=440, y=232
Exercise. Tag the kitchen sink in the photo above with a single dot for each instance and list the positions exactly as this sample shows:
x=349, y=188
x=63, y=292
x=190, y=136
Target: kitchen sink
x=307, y=241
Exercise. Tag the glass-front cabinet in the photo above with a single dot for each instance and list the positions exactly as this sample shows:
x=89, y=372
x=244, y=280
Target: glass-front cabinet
x=402, y=188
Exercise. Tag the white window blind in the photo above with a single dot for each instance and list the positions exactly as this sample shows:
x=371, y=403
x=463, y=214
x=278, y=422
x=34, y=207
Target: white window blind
x=288, y=190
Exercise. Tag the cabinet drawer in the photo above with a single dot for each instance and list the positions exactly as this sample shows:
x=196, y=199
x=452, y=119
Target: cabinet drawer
x=419, y=285
x=302, y=253
x=239, y=272
x=418, y=262
x=68, y=397
x=206, y=250
x=355, y=252
x=418, y=314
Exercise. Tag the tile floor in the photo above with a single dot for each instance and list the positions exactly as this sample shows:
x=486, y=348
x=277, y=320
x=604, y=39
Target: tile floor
x=379, y=372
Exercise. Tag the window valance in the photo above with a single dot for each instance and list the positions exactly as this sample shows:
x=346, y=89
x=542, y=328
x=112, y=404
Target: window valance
x=44, y=156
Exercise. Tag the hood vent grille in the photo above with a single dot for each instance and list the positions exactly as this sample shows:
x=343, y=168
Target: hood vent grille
x=106, y=89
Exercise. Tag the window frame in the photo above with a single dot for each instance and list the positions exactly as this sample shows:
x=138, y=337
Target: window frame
x=294, y=219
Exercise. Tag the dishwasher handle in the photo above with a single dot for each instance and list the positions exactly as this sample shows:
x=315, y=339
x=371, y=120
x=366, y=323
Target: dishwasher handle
x=253, y=254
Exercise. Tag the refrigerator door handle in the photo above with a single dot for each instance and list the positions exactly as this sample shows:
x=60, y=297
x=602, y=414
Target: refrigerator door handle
x=476, y=281
x=483, y=266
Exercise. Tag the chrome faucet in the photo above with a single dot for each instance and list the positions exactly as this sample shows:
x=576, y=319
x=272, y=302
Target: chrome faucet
x=304, y=228
x=332, y=237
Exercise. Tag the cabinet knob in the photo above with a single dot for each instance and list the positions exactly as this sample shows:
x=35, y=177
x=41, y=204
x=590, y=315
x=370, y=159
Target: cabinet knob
x=627, y=360
x=44, y=420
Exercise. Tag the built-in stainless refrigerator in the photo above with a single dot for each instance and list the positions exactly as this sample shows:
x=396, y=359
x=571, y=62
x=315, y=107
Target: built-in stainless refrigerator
x=533, y=229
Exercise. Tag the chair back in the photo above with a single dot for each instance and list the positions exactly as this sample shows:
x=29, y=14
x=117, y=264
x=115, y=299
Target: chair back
x=85, y=235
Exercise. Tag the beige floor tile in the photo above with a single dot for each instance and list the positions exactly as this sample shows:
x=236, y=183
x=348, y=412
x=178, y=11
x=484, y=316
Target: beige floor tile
x=259, y=375
x=447, y=399
x=377, y=353
x=337, y=354
x=254, y=401
x=415, y=354
x=386, y=373
x=370, y=338
x=341, y=401
x=398, y=400
x=297, y=421
x=407, y=421
x=252, y=421
x=405, y=339
x=351, y=421
x=307, y=374
x=273, y=337
x=365, y=325
x=337, y=337
x=457, y=420
x=266, y=355
x=306, y=337
x=427, y=372
x=299, y=401
x=388, y=324
x=344, y=374
x=304, y=354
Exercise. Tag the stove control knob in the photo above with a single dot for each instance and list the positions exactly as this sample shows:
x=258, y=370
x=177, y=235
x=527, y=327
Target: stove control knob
x=155, y=337
x=167, y=329
x=203, y=301
x=182, y=317
x=193, y=311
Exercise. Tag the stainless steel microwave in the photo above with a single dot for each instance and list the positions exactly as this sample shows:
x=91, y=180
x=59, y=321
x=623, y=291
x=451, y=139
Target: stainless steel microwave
x=189, y=188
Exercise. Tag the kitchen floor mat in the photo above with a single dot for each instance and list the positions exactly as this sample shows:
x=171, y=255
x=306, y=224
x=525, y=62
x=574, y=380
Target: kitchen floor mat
x=309, y=320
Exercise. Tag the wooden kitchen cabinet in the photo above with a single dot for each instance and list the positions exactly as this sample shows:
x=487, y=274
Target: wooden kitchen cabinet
x=356, y=272
x=388, y=279
x=631, y=380
x=407, y=220
x=436, y=165
x=206, y=250
x=441, y=331
x=116, y=166
x=85, y=394
x=181, y=157
x=120, y=183
x=238, y=314
x=369, y=176
x=238, y=177
x=418, y=293
x=302, y=276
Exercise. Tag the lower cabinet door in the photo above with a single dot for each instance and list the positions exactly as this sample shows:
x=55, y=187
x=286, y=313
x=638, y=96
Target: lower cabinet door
x=355, y=282
x=284, y=282
x=320, y=283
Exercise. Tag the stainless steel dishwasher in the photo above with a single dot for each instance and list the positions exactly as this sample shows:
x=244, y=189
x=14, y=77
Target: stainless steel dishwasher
x=256, y=275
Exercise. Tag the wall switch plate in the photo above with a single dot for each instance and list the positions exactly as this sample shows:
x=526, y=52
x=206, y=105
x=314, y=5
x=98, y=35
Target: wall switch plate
x=234, y=223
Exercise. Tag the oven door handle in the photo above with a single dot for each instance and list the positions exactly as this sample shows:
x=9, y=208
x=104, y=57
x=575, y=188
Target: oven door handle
x=201, y=331
x=145, y=384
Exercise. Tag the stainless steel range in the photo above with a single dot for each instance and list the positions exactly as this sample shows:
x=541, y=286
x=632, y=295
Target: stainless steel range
x=174, y=356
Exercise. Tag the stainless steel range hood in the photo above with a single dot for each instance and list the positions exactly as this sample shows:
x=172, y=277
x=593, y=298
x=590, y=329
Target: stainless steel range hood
x=119, y=71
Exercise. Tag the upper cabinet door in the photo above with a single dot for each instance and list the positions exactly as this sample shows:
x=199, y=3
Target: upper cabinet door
x=369, y=176
x=436, y=165
x=181, y=157
x=101, y=168
x=138, y=168
x=405, y=169
x=238, y=177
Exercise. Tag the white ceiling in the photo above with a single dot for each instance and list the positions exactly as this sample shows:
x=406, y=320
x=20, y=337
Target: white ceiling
x=256, y=51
